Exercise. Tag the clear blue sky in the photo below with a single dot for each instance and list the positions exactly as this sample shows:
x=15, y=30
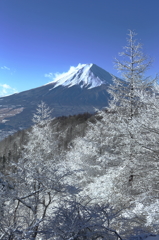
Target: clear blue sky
x=39, y=37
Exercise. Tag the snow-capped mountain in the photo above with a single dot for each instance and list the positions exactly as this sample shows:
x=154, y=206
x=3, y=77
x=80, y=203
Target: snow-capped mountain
x=81, y=89
x=84, y=75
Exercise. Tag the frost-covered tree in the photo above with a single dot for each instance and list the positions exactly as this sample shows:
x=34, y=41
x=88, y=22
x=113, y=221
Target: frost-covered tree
x=125, y=98
x=33, y=185
x=127, y=110
x=79, y=220
x=35, y=201
x=40, y=144
x=117, y=147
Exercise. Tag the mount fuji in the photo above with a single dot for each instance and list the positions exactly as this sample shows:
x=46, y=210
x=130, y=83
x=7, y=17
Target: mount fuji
x=85, y=75
x=81, y=89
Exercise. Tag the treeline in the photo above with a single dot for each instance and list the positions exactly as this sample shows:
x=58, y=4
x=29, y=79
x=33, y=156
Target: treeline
x=73, y=126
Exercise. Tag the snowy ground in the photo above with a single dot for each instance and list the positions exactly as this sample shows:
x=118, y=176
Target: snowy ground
x=145, y=237
x=153, y=237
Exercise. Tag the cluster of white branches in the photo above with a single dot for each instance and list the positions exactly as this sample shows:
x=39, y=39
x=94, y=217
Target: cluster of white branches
x=119, y=153
x=38, y=200
x=33, y=184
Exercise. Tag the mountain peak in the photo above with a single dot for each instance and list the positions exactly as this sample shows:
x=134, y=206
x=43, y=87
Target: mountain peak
x=85, y=75
x=81, y=89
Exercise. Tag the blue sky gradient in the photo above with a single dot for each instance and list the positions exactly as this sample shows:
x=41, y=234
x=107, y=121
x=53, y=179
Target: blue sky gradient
x=39, y=37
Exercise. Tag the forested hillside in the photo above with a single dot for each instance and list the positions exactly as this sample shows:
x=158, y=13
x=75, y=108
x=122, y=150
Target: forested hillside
x=87, y=177
x=68, y=127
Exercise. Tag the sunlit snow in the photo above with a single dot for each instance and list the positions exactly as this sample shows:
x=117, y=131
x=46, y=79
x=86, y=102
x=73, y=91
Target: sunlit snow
x=81, y=75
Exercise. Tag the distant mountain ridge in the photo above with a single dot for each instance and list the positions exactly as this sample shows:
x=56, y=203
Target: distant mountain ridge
x=81, y=89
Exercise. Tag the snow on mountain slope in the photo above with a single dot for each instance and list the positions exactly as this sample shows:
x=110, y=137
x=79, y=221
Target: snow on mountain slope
x=85, y=75
x=81, y=89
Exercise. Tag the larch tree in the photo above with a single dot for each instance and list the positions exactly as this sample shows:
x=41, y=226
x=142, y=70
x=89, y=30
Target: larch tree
x=118, y=142
x=126, y=104
x=40, y=137
x=125, y=98
x=129, y=131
